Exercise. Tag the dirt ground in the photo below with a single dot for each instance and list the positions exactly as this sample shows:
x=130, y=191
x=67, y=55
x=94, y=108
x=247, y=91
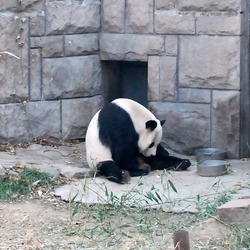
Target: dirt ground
x=48, y=224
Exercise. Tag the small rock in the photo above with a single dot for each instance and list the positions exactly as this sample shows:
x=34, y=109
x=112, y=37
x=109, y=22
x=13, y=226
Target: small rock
x=73, y=172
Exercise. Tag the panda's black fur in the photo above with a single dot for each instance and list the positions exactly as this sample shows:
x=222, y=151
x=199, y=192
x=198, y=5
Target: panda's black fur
x=162, y=160
x=114, y=123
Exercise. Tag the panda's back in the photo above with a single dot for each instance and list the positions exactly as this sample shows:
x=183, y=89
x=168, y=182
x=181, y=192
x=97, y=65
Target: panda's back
x=117, y=131
x=138, y=113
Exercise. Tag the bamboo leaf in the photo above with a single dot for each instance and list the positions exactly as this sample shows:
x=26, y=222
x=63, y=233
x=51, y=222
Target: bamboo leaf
x=172, y=186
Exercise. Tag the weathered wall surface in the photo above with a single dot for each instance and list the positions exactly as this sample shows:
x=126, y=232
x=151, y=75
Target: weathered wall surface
x=193, y=54
x=54, y=88
x=192, y=49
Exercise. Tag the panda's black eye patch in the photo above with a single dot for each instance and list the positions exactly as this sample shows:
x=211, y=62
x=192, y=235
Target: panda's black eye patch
x=151, y=145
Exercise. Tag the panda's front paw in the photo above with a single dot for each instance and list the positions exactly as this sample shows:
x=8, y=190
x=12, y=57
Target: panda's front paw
x=185, y=164
x=125, y=177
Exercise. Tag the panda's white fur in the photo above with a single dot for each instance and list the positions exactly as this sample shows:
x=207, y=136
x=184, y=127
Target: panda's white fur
x=97, y=152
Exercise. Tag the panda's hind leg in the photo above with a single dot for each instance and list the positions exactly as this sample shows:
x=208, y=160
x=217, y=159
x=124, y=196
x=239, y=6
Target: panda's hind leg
x=112, y=172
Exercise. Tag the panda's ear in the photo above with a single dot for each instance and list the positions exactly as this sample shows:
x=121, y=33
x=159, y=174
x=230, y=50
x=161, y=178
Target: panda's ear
x=162, y=122
x=151, y=124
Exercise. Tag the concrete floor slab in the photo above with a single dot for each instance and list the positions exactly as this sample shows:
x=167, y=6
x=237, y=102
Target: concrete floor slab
x=156, y=189
x=173, y=191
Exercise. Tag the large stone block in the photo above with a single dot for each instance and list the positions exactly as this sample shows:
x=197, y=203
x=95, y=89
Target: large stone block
x=52, y=46
x=235, y=212
x=139, y=16
x=43, y=119
x=194, y=95
x=209, y=62
x=27, y=120
x=14, y=66
x=219, y=25
x=35, y=75
x=76, y=115
x=209, y=5
x=81, y=44
x=226, y=120
x=113, y=16
x=172, y=22
x=130, y=47
x=187, y=126
x=71, y=77
x=23, y=5
x=69, y=18
x=161, y=78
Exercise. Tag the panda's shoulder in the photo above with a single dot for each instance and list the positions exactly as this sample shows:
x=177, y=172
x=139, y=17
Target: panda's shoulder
x=133, y=108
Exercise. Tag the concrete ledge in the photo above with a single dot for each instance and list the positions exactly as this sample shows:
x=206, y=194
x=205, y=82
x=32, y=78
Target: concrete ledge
x=236, y=212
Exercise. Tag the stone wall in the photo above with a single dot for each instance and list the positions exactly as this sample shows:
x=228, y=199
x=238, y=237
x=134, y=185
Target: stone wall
x=193, y=54
x=54, y=86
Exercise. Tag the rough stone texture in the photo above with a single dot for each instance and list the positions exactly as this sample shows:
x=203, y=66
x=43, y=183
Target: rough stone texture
x=218, y=25
x=235, y=212
x=130, y=47
x=68, y=161
x=74, y=124
x=180, y=118
x=139, y=16
x=13, y=71
x=71, y=77
x=2, y=173
x=209, y=62
x=170, y=22
x=27, y=120
x=171, y=44
x=81, y=44
x=37, y=25
x=153, y=78
x=209, y=5
x=161, y=78
x=165, y=4
x=43, y=119
x=24, y=5
x=35, y=75
x=60, y=21
x=52, y=46
x=113, y=16
x=225, y=120
x=194, y=95
x=167, y=78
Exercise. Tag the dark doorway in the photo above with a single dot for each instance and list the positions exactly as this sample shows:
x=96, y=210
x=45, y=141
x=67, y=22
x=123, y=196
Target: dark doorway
x=125, y=79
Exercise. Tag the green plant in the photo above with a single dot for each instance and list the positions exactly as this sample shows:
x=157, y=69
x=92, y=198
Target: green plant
x=23, y=184
x=239, y=238
x=124, y=218
x=207, y=206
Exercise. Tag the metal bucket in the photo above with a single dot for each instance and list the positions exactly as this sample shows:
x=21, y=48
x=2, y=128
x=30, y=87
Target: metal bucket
x=212, y=168
x=203, y=154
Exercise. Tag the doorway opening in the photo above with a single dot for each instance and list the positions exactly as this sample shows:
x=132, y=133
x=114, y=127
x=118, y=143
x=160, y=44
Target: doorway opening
x=125, y=79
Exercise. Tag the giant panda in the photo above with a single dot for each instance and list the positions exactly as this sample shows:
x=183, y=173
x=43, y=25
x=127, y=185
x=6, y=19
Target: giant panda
x=123, y=140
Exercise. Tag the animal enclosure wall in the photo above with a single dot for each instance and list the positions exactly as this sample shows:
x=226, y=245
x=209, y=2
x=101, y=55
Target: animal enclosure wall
x=58, y=77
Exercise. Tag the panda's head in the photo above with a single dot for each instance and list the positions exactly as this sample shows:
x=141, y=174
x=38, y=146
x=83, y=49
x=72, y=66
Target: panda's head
x=150, y=137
